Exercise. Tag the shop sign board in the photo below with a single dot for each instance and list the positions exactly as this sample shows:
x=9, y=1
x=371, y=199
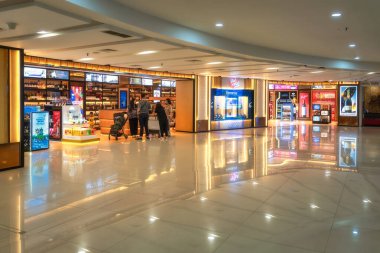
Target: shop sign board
x=93, y=77
x=34, y=72
x=147, y=82
x=110, y=79
x=168, y=83
x=58, y=74
x=348, y=101
x=234, y=83
x=39, y=130
x=324, y=87
x=282, y=87
x=135, y=80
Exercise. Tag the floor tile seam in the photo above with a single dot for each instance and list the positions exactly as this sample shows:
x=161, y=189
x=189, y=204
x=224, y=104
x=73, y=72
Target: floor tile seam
x=251, y=214
x=69, y=240
x=312, y=190
x=298, y=200
x=336, y=212
x=359, y=226
x=277, y=243
x=132, y=214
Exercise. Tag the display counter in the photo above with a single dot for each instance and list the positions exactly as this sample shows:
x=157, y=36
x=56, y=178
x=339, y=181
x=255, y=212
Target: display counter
x=79, y=133
x=75, y=127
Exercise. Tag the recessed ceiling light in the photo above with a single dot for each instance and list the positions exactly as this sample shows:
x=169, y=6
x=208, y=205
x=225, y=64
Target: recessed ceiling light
x=219, y=24
x=214, y=63
x=155, y=67
x=147, y=52
x=357, y=58
x=272, y=68
x=371, y=73
x=47, y=35
x=316, y=72
x=336, y=14
x=86, y=59
x=352, y=45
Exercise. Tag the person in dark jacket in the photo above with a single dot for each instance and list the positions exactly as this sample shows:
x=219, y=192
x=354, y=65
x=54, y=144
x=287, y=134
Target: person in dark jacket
x=162, y=120
x=143, y=112
x=132, y=117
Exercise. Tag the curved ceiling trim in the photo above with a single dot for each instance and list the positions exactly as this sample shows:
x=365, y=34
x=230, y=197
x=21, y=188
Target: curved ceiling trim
x=160, y=28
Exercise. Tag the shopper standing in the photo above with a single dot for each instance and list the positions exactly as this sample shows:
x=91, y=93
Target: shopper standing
x=162, y=120
x=143, y=112
x=169, y=112
x=133, y=119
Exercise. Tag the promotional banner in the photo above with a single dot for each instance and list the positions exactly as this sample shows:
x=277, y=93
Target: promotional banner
x=76, y=95
x=123, y=99
x=326, y=97
x=40, y=130
x=348, y=101
x=55, y=125
x=304, y=105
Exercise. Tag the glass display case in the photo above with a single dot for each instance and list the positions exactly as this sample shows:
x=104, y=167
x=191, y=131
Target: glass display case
x=231, y=109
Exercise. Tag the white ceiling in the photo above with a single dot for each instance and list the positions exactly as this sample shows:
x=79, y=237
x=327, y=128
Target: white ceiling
x=82, y=34
x=299, y=26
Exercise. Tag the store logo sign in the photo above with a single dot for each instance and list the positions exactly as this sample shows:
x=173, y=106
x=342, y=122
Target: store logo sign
x=234, y=82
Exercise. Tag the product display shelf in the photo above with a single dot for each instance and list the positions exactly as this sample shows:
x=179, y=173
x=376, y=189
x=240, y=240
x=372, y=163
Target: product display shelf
x=94, y=103
x=57, y=91
x=35, y=91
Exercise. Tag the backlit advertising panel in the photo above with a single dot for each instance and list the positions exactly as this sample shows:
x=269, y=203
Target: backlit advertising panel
x=304, y=105
x=39, y=131
x=348, y=101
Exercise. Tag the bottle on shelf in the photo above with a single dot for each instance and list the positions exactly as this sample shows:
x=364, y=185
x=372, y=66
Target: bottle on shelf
x=303, y=110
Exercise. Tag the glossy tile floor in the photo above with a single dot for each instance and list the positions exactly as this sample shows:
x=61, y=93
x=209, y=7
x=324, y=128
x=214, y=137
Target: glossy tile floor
x=291, y=187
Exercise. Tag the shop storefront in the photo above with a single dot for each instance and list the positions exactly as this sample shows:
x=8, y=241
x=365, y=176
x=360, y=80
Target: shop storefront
x=321, y=103
x=324, y=104
x=283, y=101
x=232, y=104
x=71, y=101
x=11, y=148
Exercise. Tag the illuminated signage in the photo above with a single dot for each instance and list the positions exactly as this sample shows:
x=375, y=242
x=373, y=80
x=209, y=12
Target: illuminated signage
x=34, y=72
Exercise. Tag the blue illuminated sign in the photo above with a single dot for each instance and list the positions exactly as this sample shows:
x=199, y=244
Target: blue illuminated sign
x=231, y=104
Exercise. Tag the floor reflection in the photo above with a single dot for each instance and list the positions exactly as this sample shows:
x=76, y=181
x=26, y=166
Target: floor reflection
x=92, y=184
